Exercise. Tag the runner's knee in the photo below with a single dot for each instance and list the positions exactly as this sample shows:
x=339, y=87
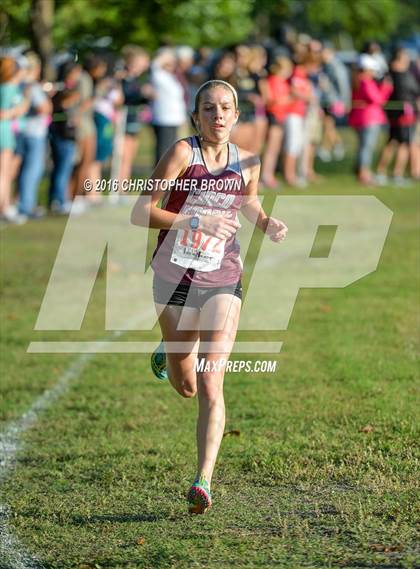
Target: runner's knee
x=210, y=386
x=186, y=388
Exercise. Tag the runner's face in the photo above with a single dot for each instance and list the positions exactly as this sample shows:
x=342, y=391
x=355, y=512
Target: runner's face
x=216, y=114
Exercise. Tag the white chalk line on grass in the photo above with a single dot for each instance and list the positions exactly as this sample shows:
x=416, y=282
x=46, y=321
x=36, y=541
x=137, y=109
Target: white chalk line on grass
x=12, y=553
x=11, y=550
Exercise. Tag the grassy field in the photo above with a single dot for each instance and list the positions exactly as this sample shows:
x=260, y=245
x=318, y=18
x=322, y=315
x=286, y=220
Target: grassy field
x=322, y=473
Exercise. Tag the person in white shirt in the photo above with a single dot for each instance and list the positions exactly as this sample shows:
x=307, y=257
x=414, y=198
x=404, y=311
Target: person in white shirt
x=169, y=110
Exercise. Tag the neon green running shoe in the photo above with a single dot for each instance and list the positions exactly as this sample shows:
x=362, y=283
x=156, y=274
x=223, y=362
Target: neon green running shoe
x=158, y=362
x=199, y=496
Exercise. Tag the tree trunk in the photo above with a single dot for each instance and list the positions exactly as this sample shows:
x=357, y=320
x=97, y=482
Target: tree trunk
x=42, y=19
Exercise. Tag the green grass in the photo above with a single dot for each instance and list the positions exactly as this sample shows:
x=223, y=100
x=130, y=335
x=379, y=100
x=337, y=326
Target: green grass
x=101, y=479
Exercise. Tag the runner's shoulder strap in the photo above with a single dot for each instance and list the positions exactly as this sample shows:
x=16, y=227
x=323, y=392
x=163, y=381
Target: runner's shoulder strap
x=234, y=159
x=196, y=157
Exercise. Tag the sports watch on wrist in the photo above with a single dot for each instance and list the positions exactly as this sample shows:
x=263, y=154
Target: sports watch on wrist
x=194, y=222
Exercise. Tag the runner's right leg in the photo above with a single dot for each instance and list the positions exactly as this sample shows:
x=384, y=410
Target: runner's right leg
x=181, y=365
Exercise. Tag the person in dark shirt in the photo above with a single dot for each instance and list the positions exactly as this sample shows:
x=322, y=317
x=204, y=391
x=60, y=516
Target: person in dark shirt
x=401, y=114
x=62, y=133
x=252, y=123
x=137, y=93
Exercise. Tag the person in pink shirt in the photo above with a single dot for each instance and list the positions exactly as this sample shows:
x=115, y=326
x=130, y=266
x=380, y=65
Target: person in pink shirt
x=367, y=114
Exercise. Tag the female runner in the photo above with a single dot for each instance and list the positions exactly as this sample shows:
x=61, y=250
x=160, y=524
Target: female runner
x=197, y=282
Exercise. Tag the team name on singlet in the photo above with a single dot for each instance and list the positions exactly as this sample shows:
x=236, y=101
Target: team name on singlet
x=214, y=199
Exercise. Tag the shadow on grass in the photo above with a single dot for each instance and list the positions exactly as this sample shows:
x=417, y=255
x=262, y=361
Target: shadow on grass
x=370, y=565
x=103, y=563
x=79, y=520
x=120, y=518
x=36, y=460
x=222, y=564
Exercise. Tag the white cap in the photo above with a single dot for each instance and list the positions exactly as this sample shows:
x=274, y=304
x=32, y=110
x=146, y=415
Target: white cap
x=184, y=52
x=368, y=62
x=163, y=56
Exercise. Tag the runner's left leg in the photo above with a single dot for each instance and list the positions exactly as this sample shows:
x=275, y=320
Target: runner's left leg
x=218, y=325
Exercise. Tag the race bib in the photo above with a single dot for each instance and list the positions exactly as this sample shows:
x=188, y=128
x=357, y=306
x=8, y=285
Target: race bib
x=193, y=249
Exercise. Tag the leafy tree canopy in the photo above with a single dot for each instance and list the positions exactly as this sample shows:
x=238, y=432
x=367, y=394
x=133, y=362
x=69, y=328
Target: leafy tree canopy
x=146, y=22
x=215, y=23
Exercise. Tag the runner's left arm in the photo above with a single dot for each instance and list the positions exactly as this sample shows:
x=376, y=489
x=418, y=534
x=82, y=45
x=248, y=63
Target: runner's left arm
x=251, y=205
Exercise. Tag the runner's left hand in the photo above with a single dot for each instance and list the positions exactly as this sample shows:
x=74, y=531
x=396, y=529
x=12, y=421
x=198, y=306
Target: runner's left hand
x=276, y=229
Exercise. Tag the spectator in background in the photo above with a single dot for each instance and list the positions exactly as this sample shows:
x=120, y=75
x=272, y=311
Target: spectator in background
x=373, y=49
x=313, y=118
x=415, y=140
x=107, y=96
x=138, y=92
x=185, y=61
x=19, y=122
x=198, y=74
x=277, y=105
x=401, y=113
x=224, y=67
x=367, y=115
x=258, y=72
x=85, y=127
x=12, y=106
x=169, y=110
x=301, y=96
x=336, y=104
x=249, y=100
x=66, y=103
x=34, y=140
x=300, y=48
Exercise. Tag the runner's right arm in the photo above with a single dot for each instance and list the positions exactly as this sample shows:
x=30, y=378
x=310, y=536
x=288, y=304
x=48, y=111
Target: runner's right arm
x=146, y=213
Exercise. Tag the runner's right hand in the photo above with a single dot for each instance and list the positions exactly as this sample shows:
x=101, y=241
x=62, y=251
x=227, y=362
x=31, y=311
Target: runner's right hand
x=218, y=226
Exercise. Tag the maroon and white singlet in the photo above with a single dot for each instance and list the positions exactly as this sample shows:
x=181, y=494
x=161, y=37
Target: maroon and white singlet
x=190, y=256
